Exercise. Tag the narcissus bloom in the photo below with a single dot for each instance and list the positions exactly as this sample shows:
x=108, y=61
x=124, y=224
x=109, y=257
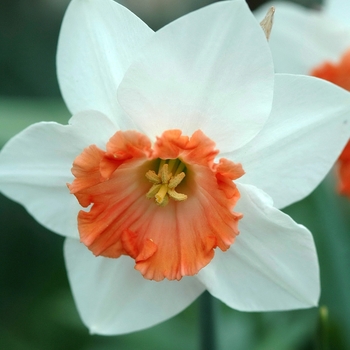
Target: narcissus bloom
x=315, y=43
x=166, y=182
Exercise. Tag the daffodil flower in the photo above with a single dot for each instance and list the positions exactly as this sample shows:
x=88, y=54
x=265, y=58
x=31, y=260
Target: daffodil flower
x=317, y=43
x=168, y=178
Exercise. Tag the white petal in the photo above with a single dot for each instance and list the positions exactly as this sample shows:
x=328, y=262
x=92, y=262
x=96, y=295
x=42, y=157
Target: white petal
x=113, y=298
x=339, y=10
x=97, y=42
x=306, y=132
x=209, y=70
x=35, y=167
x=302, y=39
x=271, y=266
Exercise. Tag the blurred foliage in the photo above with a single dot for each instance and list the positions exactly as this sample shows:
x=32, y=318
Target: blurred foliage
x=36, y=306
x=28, y=40
x=327, y=215
x=18, y=113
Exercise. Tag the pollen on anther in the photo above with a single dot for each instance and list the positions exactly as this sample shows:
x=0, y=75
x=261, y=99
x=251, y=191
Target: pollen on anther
x=165, y=182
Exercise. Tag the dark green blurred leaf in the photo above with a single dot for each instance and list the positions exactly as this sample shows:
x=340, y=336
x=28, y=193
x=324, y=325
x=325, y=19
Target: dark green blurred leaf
x=18, y=113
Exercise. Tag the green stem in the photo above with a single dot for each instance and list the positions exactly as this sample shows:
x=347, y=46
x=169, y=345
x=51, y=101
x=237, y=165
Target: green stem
x=207, y=322
x=323, y=329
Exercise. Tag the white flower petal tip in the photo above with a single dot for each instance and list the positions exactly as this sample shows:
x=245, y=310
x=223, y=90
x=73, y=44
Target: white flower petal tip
x=308, y=127
x=97, y=42
x=113, y=298
x=35, y=168
x=302, y=38
x=272, y=265
x=194, y=72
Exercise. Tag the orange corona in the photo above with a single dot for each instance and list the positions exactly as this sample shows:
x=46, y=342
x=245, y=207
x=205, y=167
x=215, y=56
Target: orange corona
x=167, y=206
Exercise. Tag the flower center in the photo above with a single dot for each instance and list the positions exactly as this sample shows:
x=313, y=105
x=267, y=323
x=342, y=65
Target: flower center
x=170, y=175
x=178, y=236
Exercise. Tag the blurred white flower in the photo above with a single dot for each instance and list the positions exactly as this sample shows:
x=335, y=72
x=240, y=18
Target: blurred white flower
x=302, y=38
x=338, y=10
x=317, y=43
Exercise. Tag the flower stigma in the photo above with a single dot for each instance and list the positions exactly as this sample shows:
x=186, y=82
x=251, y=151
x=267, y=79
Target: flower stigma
x=165, y=182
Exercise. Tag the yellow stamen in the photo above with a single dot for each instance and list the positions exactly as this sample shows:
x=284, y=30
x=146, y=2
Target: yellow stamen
x=165, y=182
x=161, y=193
x=153, y=190
x=164, y=174
x=152, y=177
x=176, y=196
x=165, y=201
x=176, y=180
